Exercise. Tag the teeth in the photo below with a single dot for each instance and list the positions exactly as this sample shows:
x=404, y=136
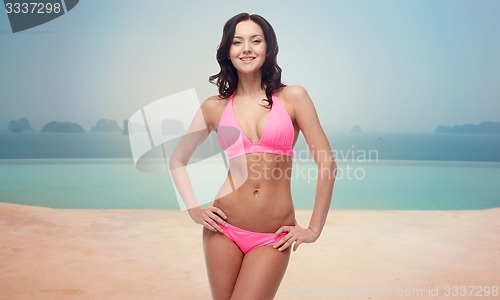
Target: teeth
x=247, y=58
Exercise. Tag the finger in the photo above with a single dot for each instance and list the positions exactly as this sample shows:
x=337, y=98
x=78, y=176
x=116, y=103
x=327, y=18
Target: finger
x=286, y=245
x=296, y=245
x=282, y=229
x=208, y=226
x=214, y=225
x=282, y=240
x=218, y=219
x=220, y=212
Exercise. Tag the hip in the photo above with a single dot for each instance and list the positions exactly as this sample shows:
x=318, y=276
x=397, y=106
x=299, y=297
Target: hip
x=266, y=212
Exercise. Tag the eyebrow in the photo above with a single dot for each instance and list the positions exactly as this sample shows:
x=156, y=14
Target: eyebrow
x=255, y=35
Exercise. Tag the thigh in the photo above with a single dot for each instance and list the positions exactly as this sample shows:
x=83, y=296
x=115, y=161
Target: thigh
x=261, y=273
x=223, y=259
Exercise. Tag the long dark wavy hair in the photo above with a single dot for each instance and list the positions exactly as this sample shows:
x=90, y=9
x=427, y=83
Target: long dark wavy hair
x=227, y=78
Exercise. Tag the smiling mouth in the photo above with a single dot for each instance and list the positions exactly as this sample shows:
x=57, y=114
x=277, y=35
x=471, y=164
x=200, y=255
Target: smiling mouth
x=247, y=58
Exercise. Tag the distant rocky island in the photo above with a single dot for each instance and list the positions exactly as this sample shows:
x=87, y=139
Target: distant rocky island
x=62, y=127
x=484, y=127
x=20, y=125
x=102, y=125
x=356, y=129
x=105, y=125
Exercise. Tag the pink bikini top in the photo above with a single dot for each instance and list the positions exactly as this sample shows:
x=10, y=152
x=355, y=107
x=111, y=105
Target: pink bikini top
x=277, y=137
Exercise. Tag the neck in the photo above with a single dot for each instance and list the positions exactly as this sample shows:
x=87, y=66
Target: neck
x=249, y=84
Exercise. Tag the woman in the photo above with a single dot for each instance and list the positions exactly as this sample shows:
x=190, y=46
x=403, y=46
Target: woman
x=250, y=227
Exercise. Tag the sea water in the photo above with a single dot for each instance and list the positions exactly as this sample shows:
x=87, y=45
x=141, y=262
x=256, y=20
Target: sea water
x=375, y=171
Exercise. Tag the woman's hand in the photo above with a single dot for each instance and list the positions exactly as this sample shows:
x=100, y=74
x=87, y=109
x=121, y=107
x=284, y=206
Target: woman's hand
x=208, y=217
x=295, y=234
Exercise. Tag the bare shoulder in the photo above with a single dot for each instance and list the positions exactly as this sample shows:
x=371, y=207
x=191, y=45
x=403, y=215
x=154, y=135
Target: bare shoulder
x=294, y=97
x=213, y=108
x=293, y=94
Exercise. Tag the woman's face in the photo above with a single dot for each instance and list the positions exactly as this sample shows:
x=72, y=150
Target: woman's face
x=248, y=48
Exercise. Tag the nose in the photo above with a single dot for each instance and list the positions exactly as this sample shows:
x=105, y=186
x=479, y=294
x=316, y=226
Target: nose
x=247, y=48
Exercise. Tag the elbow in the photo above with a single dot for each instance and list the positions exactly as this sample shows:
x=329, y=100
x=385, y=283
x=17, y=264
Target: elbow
x=334, y=170
x=172, y=163
x=177, y=161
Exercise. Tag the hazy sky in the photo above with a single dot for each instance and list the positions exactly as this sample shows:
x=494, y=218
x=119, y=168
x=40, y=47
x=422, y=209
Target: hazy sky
x=385, y=65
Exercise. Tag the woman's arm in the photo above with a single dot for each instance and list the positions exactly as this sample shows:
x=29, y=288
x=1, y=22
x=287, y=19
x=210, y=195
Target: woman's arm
x=197, y=132
x=308, y=122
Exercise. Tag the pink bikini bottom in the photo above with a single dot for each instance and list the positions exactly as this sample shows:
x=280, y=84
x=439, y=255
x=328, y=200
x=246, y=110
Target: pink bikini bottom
x=249, y=240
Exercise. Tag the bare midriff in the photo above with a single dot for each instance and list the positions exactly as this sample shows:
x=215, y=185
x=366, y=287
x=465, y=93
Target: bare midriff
x=256, y=195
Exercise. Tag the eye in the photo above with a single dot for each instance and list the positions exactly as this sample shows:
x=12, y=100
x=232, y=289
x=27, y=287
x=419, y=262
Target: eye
x=236, y=43
x=256, y=41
